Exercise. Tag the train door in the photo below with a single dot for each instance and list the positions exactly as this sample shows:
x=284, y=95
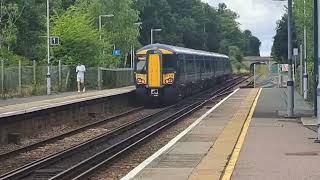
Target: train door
x=154, y=69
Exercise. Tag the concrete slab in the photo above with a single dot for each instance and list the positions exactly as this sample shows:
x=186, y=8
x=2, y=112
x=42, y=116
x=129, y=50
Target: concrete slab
x=9, y=108
x=183, y=157
x=178, y=160
x=198, y=138
x=171, y=173
x=277, y=148
x=309, y=121
x=191, y=148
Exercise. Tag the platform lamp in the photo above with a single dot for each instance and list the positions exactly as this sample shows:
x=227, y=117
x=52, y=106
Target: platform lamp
x=154, y=30
x=133, y=48
x=290, y=83
x=317, y=59
x=100, y=24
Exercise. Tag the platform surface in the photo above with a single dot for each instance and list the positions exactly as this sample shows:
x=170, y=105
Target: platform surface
x=275, y=147
x=188, y=156
x=19, y=106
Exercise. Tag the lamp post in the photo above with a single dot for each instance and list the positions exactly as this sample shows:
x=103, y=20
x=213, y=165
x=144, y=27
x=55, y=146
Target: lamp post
x=305, y=74
x=132, y=48
x=290, y=83
x=48, y=50
x=317, y=50
x=100, y=22
x=100, y=25
x=154, y=30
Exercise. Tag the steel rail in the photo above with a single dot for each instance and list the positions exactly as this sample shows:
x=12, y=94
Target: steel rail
x=44, y=162
x=38, y=164
x=107, y=156
x=70, y=133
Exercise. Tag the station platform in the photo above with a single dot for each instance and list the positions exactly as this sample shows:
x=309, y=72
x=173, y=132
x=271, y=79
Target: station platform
x=246, y=137
x=18, y=106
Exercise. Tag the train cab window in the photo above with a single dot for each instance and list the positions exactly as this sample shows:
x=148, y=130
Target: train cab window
x=141, y=66
x=169, y=62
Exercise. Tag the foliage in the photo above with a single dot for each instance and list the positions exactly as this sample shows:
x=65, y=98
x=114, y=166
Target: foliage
x=10, y=12
x=280, y=46
x=193, y=24
x=79, y=40
x=119, y=31
x=235, y=53
x=187, y=23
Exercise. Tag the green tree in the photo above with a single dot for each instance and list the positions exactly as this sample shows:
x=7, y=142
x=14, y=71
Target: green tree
x=280, y=44
x=79, y=40
x=119, y=31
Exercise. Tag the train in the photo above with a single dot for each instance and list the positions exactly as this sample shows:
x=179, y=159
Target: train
x=165, y=73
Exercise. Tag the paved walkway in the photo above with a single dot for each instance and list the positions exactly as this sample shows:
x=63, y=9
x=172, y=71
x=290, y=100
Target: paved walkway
x=234, y=142
x=211, y=137
x=278, y=148
x=25, y=105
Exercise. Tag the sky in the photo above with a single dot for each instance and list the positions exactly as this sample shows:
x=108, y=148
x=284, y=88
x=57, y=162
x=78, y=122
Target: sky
x=259, y=16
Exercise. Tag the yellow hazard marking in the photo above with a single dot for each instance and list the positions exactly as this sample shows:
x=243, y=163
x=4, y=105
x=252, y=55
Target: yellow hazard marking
x=236, y=152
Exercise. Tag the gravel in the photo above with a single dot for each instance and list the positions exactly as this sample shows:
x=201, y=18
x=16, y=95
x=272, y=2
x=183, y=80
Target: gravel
x=51, y=132
x=24, y=158
x=139, y=154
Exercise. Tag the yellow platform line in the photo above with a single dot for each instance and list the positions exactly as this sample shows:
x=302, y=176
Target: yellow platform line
x=236, y=152
x=214, y=163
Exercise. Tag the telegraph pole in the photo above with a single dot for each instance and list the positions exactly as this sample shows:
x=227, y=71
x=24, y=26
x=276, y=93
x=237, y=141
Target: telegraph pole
x=290, y=83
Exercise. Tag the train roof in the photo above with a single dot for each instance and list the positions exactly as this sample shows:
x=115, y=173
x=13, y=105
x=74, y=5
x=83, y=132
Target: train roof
x=182, y=50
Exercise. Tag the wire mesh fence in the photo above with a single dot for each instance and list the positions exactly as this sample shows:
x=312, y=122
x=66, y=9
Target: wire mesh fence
x=270, y=75
x=18, y=80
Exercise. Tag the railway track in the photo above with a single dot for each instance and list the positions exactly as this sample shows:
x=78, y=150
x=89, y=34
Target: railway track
x=79, y=161
x=68, y=134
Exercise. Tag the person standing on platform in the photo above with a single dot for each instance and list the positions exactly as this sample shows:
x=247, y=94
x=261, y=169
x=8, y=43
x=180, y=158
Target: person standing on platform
x=80, y=69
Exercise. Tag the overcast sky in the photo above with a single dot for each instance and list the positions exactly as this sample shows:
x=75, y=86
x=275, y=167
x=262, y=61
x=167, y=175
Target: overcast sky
x=259, y=16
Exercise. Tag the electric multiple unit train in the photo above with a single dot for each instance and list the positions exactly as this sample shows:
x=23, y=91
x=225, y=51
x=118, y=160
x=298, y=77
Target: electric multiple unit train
x=165, y=73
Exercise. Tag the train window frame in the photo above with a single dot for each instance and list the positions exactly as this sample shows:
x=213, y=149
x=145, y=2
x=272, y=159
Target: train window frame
x=190, y=69
x=181, y=64
x=207, y=65
x=198, y=61
x=141, y=66
x=172, y=59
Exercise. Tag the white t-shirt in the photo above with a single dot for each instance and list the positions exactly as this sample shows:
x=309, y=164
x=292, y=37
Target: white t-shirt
x=80, y=70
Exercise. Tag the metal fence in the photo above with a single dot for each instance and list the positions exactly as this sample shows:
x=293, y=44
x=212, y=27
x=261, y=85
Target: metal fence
x=21, y=80
x=269, y=76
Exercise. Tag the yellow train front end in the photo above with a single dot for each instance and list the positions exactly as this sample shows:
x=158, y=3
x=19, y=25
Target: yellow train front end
x=154, y=83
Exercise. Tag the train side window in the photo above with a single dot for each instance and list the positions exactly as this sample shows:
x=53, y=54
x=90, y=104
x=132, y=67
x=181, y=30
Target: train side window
x=207, y=65
x=189, y=64
x=181, y=64
x=169, y=62
x=198, y=64
x=212, y=64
